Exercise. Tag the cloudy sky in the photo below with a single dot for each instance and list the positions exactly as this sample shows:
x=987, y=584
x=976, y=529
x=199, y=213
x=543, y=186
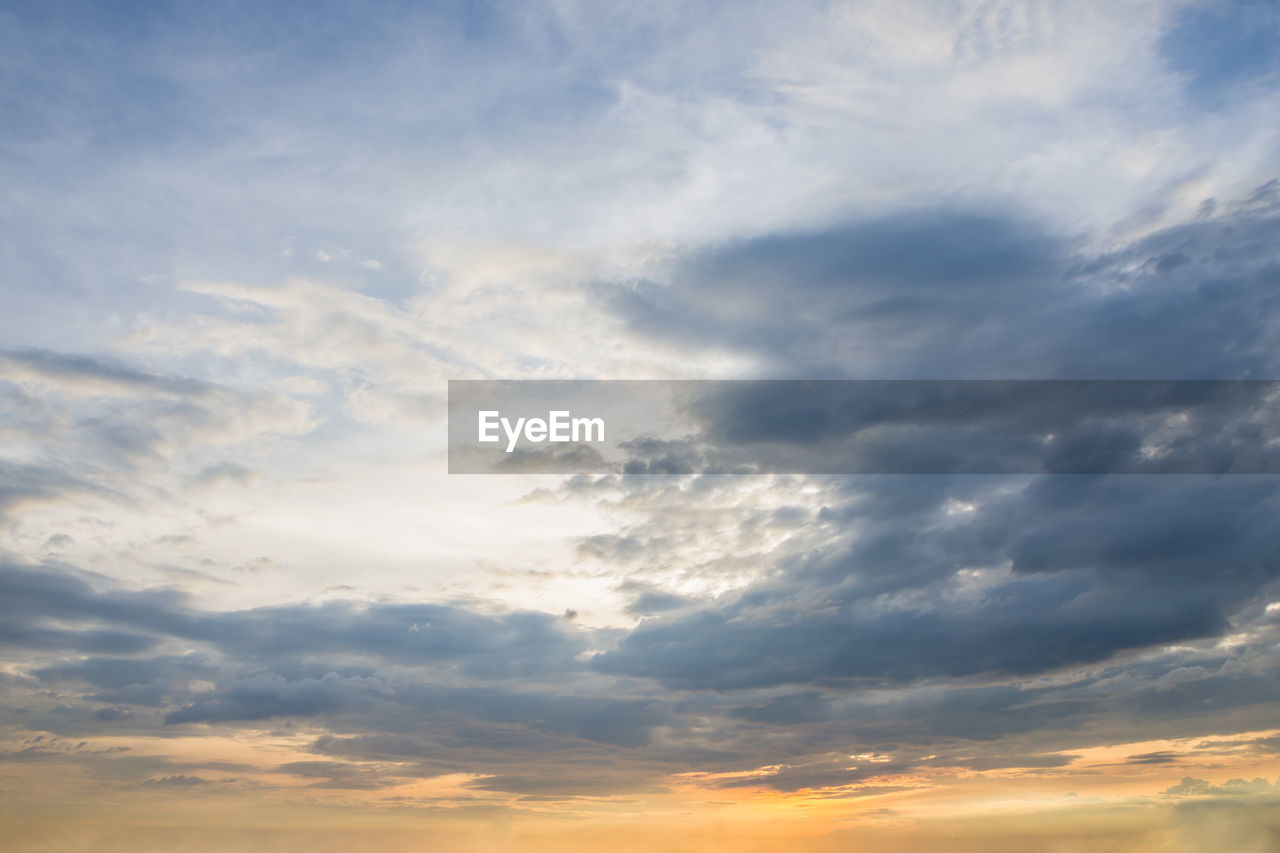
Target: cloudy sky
x=244, y=246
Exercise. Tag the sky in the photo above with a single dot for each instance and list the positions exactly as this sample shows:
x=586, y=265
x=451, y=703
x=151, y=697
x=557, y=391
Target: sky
x=244, y=247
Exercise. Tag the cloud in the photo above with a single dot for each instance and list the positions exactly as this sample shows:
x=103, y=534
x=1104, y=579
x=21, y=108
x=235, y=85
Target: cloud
x=1193, y=787
x=953, y=427
x=501, y=645
x=263, y=697
x=1046, y=574
x=38, y=605
x=27, y=486
x=178, y=780
x=226, y=472
x=551, y=783
x=953, y=293
x=647, y=599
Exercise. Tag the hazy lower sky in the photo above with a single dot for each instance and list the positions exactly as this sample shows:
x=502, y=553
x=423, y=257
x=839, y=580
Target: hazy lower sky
x=243, y=247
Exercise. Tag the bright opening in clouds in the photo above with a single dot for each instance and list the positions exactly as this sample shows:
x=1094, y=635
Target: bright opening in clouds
x=245, y=246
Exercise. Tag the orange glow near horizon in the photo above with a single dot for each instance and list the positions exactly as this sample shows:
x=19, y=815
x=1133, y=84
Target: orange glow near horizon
x=1101, y=786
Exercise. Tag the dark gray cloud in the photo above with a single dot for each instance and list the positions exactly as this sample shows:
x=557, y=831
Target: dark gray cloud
x=647, y=599
x=1076, y=570
x=981, y=427
x=266, y=696
x=887, y=284
x=42, y=603
x=620, y=722
x=956, y=294
x=55, y=610
x=498, y=645
x=114, y=673
x=388, y=701
x=391, y=717
x=420, y=663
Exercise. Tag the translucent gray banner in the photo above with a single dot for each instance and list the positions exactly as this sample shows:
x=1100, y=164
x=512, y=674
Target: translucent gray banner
x=864, y=426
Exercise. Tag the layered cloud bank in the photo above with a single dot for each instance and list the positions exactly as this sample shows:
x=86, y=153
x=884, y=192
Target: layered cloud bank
x=244, y=252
